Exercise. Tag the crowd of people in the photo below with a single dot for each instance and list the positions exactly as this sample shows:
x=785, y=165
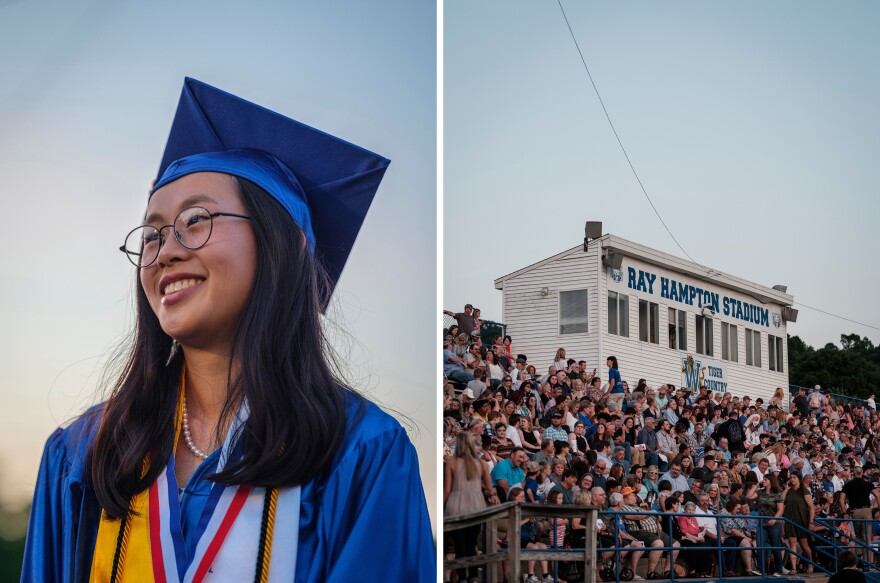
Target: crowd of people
x=671, y=468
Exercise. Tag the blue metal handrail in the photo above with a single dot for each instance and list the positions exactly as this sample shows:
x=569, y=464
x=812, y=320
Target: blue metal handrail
x=827, y=545
x=836, y=396
x=863, y=546
x=828, y=548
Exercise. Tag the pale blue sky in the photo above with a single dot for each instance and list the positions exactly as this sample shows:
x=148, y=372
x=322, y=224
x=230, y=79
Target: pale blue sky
x=753, y=125
x=87, y=96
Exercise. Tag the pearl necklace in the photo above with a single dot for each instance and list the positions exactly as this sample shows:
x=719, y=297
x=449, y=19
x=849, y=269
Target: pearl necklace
x=186, y=435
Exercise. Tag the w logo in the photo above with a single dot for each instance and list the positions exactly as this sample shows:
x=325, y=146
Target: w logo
x=691, y=370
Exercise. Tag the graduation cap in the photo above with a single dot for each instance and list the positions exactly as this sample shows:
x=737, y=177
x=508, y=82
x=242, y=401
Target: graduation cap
x=325, y=183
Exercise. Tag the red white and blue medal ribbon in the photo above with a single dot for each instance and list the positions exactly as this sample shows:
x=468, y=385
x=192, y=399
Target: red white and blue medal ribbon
x=228, y=532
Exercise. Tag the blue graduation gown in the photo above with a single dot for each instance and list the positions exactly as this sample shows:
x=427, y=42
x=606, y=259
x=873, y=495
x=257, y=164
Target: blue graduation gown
x=366, y=521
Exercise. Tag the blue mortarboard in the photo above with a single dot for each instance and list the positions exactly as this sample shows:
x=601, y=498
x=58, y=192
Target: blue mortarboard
x=326, y=184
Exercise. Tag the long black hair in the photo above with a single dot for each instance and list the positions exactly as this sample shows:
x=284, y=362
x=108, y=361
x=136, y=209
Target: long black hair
x=297, y=406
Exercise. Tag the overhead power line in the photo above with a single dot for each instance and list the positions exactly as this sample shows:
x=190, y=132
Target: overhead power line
x=709, y=272
x=803, y=305
x=619, y=142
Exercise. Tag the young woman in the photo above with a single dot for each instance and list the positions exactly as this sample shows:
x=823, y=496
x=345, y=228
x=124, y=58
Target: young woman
x=508, y=349
x=798, y=508
x=477, y=322
x=769, y=503
x=530, y=484
x=558, y=466
x=466, y=479
x=545, y=484
x=530, y=442
x=529, y=539
x=687, y=466
x=615, y=385
x=532, y=407
x=777, y=397
x=558, y=526
x=460, y=346
x=630, y=431
x=503, y=444
x=559, y=361
x=226, y=409
x=496, y=373
x=600, y=436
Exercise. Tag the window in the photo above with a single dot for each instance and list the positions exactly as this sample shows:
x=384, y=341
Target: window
x=573, y=311
x=618, y=314
x=704, y=335
x=677, y=329
x=774, y=350
x=729, y=342
x=753, y=348
x=649, y=322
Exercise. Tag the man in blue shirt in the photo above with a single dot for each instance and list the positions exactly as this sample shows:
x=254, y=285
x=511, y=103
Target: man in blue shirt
x=453, y=366
x=722, y=447
x=585, y=416
x=648, y=438
x=828, y=481
x=510, y=472
x=676, y=478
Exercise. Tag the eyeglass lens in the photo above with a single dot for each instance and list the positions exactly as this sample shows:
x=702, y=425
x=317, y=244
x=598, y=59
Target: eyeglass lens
x=192, y=229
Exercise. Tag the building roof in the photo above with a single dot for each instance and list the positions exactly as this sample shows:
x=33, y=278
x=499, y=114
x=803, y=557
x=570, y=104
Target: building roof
x=670, y=262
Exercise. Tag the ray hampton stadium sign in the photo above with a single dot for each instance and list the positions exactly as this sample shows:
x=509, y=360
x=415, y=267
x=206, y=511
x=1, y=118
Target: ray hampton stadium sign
x=669, y=289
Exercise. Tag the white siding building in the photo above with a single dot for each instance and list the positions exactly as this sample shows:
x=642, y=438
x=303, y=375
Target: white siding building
x=653, y=313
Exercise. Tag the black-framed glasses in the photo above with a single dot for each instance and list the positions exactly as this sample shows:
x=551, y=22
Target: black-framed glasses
x=192, y=229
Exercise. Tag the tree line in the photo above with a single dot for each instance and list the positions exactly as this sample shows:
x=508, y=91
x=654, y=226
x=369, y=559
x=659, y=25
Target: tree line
x=853, y=368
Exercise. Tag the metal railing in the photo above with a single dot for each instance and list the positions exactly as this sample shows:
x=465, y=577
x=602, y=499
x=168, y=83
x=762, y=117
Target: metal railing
x=513, y=513
x=719, y=549
x=827, y=545
x=865, y=551
x=837, y=397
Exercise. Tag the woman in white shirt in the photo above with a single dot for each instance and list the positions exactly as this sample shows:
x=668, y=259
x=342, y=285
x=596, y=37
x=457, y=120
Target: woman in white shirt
x=560, y=361
x=496, y=373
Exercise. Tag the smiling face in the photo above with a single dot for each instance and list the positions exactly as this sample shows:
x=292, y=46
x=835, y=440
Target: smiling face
x=198, y=295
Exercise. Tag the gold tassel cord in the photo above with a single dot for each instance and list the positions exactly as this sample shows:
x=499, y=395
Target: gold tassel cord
x=268, y=526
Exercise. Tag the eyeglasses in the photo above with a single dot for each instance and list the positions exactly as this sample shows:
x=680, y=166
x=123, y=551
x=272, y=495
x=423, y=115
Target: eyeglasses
x=192, y=229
